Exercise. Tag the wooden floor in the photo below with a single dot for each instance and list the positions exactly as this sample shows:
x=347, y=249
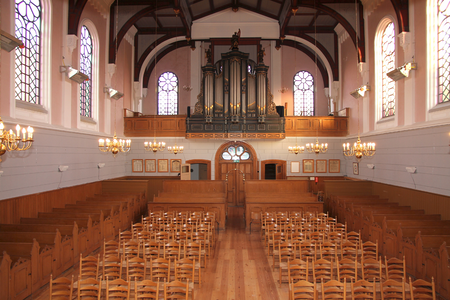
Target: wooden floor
x=238, y=270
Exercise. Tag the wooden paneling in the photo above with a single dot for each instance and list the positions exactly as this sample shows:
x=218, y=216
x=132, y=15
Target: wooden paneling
x=197, y=186
x=11, y=210
x=431, y=203
x=316, y=126
x=167, y=126
x=154, y=183
x=276, y=187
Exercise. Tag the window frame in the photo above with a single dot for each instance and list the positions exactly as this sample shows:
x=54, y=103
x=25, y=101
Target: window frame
x=177, y=91
x=388, y=121
x=434, y=110
x=31, y=111
x=83, y=122
x=313, y=89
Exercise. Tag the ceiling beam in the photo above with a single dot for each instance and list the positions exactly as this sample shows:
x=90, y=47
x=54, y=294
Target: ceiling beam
x=75, y=10
x=288, y=9
x=181, y=10
x=402, y=12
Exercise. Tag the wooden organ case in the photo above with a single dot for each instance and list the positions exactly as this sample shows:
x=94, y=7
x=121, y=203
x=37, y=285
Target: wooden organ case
x=235, y=99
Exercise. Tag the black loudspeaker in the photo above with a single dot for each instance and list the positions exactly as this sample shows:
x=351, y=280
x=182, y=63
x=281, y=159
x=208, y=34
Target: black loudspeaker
x=188, y=111
x=280, y=110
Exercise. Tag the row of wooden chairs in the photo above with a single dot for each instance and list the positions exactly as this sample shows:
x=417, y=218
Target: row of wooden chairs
x=90, y=288
x=344, y=269
x=362, y=289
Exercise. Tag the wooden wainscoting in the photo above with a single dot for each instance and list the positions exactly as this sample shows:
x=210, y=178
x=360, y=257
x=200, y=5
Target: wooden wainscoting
x=155, y=126
x=11, y=210
x=316, y=126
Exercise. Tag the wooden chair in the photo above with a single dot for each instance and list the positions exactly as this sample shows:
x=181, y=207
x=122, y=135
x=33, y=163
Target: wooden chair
x=136, y=228
x=307, y=250
x=131, y=248
x=112, y=267
x=298, y=270
x=176, y=290
x=151, y=249
x=392, y=289
x=172, y=251
x=354, y=237
x=194, y=251
x=347, y=269
x=89, y=289
x=349, y=250
x=371, y=269
x=421, y=289
x=395, y=268
x=363, y=289
x=185, y=272
x=328, y=251
x=369, y=250
x=144, y=235
x=146, y=289
x=202, y=238
x=117, y=289
x=160, y=270
x=255, y=217
x=286, y=252
x=124, y=236
x=89, y=267
x=111, y=248
x=302, y=289
x=61, y=288
x=334, y=237
x=333, y=289
x=322, y=270
x=136, y=268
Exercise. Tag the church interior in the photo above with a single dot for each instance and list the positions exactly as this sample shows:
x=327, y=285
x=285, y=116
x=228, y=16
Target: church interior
x=302, y=145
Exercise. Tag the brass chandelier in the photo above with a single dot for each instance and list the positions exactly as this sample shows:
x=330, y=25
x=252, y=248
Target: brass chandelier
x=175, y=149
x=317, y=148
x=10, y=141
x=154, y=147
x=359, y=150
x=115, y=145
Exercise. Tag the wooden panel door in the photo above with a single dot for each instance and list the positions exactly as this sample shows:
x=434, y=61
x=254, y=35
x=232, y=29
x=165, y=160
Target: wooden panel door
x=235, y=173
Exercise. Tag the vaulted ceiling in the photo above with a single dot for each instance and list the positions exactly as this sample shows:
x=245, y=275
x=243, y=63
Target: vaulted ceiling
x=156, y=21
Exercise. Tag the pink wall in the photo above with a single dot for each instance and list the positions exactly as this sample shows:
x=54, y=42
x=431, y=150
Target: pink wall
x=178, y=62
x=293, y=61
x=421, y=60
x=58, y=35
x=5, y=59
x=351, y=79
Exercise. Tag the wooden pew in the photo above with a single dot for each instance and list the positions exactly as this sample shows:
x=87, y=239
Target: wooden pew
x=127, y=208
x=433, y=260
x=92, y=230
x=24, y=272
x=136, y=200
x=344, y=205
x=333, y=203
x=354, y=216
x=5, y=268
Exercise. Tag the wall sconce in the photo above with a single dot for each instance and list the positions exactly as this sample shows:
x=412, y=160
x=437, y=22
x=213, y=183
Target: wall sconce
x=9, y=42
x=62, y=168
x=411, y=170
x=187, y=88
x=402, y=71
x=113, y=94
x=371, y=166
x=359, y=92
x=100, y=165
x=283, y=90
x=73, y=74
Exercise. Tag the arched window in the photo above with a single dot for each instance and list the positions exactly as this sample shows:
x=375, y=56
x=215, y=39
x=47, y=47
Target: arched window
x=443, y=49
x=28, y=27
x=235, y=153
x=385, y=93
x=86, y=50
x=303, y=94
x=168, y=94
x=388, y=64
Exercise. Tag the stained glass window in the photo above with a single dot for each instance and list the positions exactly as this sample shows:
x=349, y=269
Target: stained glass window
x=235, y=153
x=168, y=94
x=303, y=94
x=388, y=64
x=28, y=15
x=443, y=51
x=86, y=68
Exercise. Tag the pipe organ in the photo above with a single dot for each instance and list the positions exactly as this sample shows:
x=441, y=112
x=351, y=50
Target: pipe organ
x=235, y=99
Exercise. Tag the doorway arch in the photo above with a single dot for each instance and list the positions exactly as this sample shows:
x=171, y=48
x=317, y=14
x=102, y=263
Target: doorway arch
x=236, y=162
x=280, y=168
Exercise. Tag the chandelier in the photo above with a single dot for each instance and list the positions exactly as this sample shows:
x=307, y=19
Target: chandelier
x=359, y=150
x=296, y=149
x=316, y=148
x=10, y=141
x=154, y=147
x=115, y=145
x=175, y=149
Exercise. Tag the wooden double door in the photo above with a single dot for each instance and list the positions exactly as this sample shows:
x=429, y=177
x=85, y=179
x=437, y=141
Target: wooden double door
x=236, y=162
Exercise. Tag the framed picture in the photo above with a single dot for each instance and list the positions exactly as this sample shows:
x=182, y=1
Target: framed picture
x=175, y=165
x=334, y=165
x=295, y=167
x=150, y=165
x=137, y=165
x=321, y=165
x=163, y=165
x=355, y=168
x=308, y=166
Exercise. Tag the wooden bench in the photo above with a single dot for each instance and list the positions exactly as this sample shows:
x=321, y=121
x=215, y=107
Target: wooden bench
x=91, y=229
x=344, y=205
x=127, y=208
x=136, y=200
x=24, y=269
x=5, y=268
x=354, y=215
x=337, y=201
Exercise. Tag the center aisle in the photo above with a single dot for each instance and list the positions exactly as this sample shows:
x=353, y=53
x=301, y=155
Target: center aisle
x=239, y=269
